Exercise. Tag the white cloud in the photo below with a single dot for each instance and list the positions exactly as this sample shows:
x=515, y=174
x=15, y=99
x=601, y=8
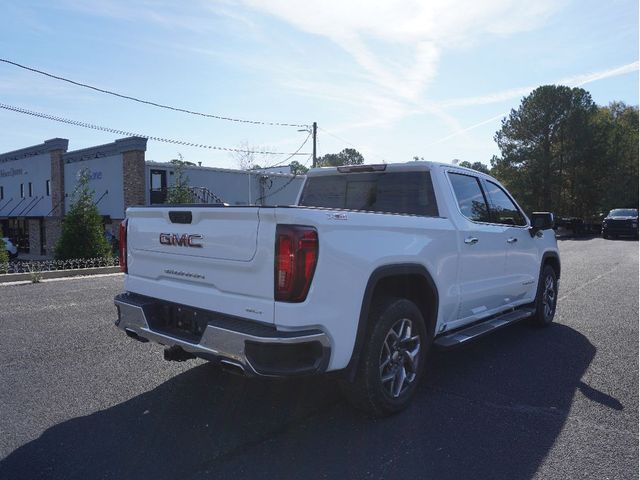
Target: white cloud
x=398, y=43
x=575, y=81
x=579, y=80
x=513, y=93
x=423, y=28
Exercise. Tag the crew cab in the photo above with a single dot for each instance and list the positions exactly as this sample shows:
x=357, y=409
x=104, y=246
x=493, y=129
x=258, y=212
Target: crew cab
x=374, y=266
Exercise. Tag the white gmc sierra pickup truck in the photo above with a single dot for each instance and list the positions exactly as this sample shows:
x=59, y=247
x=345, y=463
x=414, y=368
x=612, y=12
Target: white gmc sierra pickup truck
x=375, y=265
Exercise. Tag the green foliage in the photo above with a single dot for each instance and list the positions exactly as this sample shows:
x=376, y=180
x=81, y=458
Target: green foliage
x=560, y=152
x=35, y=272
x=348, y=156
x=4, y=255
x=617, y=127
x=179, y=192
x=477, y=166
x=82, y=230
x=297, y=168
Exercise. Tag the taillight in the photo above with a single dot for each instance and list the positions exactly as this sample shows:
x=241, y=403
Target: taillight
x=296, y=258
x=123, y=246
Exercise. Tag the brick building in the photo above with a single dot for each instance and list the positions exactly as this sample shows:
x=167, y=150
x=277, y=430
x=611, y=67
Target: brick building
x=37, y=185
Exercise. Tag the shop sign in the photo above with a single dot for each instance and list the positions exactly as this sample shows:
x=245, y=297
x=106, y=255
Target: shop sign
x=12, y=172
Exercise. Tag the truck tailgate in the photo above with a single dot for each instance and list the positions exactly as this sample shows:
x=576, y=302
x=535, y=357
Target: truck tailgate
x=222, y=260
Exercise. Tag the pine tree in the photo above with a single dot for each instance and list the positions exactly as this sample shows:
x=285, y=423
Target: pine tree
x=82, y=230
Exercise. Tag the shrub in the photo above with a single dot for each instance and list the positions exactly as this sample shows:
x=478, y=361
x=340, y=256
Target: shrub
x=4, y=256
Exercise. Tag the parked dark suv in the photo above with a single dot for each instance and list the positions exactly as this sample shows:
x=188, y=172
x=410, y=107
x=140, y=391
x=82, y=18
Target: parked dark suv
x=621, y=222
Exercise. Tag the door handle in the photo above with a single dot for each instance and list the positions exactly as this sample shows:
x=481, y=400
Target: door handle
x=471, y=240
x=512, y=240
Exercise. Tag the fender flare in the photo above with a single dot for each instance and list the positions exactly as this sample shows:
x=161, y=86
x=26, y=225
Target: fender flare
x=376, y=276
x=546, y=256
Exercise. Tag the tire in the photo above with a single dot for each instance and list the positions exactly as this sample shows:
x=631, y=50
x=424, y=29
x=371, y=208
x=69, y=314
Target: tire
x=392, y=362
x=547, y=297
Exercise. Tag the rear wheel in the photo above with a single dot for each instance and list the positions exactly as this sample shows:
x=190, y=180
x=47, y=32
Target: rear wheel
x=547, y=297
x=393, y=360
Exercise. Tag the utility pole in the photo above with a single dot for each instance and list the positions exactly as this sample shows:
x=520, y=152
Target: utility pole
x=314, y=132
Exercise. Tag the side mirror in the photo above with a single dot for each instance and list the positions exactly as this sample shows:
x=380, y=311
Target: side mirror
x=541, y=221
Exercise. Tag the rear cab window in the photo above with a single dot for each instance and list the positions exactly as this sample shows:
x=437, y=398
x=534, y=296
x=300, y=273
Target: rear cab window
x=408, y=193
x=470, y=197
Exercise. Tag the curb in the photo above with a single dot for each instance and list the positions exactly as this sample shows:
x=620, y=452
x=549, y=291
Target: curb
x=19, y=277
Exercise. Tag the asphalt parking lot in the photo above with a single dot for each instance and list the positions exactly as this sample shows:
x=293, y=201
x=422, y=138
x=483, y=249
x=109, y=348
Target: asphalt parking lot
x=79, y=400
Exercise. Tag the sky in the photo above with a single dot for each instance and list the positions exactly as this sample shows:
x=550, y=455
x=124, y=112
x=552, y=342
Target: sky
x=393, y=79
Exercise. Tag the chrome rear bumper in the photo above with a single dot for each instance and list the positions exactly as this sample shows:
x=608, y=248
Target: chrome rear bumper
x=274, y=352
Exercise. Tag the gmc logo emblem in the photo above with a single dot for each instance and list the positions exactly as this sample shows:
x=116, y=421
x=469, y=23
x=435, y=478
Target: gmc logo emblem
x=183, y=240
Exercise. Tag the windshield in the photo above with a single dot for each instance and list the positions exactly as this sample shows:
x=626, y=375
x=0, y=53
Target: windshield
x=624, y=212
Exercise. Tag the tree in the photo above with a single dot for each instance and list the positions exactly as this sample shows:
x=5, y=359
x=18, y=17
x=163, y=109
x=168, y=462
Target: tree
x=478, y=166
x=550, y=159
x=348, y=156
x=179, y=192
x=246, y=158
x=82, y=231
x=617, y=132
x=297, y=168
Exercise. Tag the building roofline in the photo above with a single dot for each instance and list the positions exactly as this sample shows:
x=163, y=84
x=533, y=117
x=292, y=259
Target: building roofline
x=114, y=148
x=42, y=148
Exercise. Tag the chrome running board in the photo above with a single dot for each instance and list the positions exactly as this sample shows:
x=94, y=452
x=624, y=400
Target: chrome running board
x=467, y=334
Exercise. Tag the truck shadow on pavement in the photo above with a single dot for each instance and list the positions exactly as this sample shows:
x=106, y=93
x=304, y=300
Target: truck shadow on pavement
x=491, y=410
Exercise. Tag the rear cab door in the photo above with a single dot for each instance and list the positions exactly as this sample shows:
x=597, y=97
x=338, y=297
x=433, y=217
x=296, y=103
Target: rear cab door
x=482, y=249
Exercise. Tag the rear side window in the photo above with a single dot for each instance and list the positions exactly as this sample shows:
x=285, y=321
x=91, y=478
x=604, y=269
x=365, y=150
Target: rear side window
x=471, y=200
x=503, y=209
x=394, y=192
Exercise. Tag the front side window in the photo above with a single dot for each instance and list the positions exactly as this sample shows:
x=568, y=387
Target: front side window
x=392, y=192
x=469, y=196
x=503, y=209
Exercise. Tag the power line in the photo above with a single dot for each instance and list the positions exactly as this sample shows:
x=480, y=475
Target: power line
x=148, y=102
x=277, y=164
x=130, y=134
x=285, y=184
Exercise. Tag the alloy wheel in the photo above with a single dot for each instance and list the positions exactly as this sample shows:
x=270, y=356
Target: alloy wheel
x=399, y=358
x=549, y=296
